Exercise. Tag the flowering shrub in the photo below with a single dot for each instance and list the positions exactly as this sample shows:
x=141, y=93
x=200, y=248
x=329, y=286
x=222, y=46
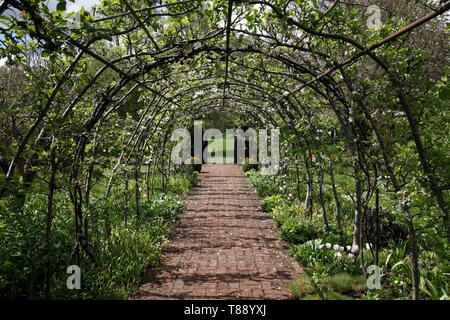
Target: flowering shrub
x=283, y=212
x=333, y=237
x=165, y=206
x=269, y=203
x=331, y=259
x=309, y=252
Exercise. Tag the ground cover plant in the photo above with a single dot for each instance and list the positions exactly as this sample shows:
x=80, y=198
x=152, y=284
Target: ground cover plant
x=334, y=266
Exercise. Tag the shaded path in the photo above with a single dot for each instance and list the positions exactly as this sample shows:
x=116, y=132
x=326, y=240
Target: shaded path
x=223, y=246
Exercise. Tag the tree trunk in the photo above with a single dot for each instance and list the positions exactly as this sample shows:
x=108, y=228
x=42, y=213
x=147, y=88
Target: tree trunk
x=125, y=206
x=48, y=222
x=87, y=198
x=358, y=208
x=322, y=203
x=147, y=181
x=298, y=180
x=309, y=186
x=377, y=224
x=137, y=169
x=155, y=164
x=336, y=199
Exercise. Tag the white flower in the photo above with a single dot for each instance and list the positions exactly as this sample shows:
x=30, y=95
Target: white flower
x=355, y=248
x=349, y=248
x=338, y=255
x=341, y=249
x=336, y=247
x=368, y=246
x=328, y=245
x=351, y=257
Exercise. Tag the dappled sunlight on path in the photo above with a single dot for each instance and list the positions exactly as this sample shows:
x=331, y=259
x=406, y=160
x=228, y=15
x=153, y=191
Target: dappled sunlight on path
x=224, y=246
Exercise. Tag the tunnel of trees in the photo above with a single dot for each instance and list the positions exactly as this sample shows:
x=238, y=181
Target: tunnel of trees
x=89, y=101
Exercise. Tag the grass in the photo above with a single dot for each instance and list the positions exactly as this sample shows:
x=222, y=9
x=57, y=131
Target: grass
x=341, y=286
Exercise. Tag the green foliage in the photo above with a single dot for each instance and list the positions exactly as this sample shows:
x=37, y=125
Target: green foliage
x=120, y=256
x=123, y=258
x=269, y=203
x=314, y=255
x=299, y=230
x=434, y=275
x=162, y=206
x=333, y=237
x=22, y=248
x=283, y=212
x=263, y=184
x=192, y=167
x=247, y=166
x=183, y=183
x=309, y=252
x=336, y=287
x=85, y=110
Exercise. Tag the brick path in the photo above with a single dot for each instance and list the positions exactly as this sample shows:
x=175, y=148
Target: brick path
x=223, y=246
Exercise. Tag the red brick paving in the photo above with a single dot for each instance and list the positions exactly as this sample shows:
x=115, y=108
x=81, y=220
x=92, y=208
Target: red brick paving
x=223, y=246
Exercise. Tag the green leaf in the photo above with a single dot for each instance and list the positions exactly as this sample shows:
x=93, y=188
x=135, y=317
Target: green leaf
x=45, y=53
x=105, y=35
x=397, y=264
x=61, y=6
x=434, y=293
x=444, y=93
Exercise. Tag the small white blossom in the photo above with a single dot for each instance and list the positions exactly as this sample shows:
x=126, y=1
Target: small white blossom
x=351, y=257
x=336, y=247
x=349, y=248
x=355, y=248
x=368, y=246
x=341, y=249
x=328, y=245
x=338, y=255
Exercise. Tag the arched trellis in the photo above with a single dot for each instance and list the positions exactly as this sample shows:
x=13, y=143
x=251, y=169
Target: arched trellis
x=136, y=69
